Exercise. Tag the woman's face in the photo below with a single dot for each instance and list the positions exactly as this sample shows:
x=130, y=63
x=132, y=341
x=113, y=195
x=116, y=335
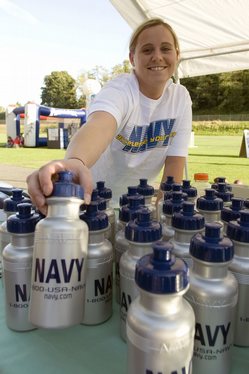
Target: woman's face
x=154, y=60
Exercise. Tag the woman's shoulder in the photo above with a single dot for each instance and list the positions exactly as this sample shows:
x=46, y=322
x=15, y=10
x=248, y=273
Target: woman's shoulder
x=124, y=81
x=177, y=89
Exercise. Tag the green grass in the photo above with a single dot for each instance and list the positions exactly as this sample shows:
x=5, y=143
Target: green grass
x=218, y=156
x=215, y=155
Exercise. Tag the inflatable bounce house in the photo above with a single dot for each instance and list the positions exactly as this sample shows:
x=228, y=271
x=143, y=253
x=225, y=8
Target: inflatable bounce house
x=32, y=114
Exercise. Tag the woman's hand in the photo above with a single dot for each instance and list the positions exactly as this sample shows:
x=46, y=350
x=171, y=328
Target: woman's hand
x=40, y=182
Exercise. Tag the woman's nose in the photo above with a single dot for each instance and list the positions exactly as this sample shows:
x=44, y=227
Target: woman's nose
x=157, y=55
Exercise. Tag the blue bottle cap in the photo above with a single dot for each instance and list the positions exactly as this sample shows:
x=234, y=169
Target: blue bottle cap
x=65, y=187
x=188, y=189
x=223, y=192
x=100, y=201
x=132, y=191
x=176, y=187
x=246, y=203
x=209, y=201
x=10, y=204
x=187, y=218
x=103, y=191
x=233, y=212
x=211, y=247
x=166, y=186
x=24, y=221
x=129, y=211
x=143, y=229
x=221, y=180
x=3, y=196
x=239, y=230
x=174, y=204
x=95, y=219
x=161, y=272
x=144, y=188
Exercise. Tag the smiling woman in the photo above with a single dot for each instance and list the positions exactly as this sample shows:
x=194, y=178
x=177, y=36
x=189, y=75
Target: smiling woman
x=138, y=124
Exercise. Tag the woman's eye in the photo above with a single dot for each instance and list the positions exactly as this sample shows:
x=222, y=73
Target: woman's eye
x=147, y=50
x=165, y=49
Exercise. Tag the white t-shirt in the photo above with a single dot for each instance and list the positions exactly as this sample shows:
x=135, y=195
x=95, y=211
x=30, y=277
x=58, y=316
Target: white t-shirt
x=147, y=132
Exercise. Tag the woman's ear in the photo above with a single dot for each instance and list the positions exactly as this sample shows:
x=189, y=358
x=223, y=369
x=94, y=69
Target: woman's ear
x=131, y=58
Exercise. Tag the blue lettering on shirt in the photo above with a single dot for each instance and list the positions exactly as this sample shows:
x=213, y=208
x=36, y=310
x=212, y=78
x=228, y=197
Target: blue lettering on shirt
x=143, y=138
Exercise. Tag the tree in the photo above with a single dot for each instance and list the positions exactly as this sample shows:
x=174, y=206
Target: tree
x=59, y=90
x=121, y=68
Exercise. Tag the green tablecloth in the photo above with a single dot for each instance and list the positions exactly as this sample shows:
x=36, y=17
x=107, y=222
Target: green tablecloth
x=76, y=350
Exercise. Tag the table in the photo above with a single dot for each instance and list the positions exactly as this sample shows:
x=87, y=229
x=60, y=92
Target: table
x=76, y=350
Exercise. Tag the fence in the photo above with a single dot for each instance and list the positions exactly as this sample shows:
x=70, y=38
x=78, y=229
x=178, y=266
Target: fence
x=221, y=117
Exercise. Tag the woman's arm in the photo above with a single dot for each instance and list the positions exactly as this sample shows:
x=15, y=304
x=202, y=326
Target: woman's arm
x=84, y=150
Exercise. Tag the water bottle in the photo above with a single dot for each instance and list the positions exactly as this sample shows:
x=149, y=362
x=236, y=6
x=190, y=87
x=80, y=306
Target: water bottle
x=141, y=234
x=124, y=200
x=126, y=213
x=221, y=180
x=186, y=223
x=175, y=187
x=246, y=203
x=231, y=213
x=99, y=265
x=189, y=190
x=131, y=191
x=59, y=260
x=3, y=216
x=148, y=192
x=201, y=183
x=106, y=193
x=223, y=193
x=238, y=231
x=102, y=207
x=9, y=207
x=17, y=263
x=213, y=294
x=165, y=187
x=210, y=206
x=160, y=322
x=169, y=207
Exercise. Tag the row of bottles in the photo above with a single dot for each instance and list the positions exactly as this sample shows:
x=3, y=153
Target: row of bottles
x=71, y=280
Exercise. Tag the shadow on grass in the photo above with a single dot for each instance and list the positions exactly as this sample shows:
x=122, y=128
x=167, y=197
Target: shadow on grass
x=218, y=164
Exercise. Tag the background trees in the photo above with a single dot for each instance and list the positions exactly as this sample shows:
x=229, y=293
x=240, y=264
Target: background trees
x=226, y=93
x=59, y=90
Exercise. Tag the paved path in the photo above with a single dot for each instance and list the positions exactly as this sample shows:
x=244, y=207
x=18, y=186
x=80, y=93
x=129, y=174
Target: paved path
x=14, y=175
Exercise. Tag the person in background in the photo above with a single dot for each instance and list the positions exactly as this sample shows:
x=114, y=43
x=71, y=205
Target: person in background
x=138, y=123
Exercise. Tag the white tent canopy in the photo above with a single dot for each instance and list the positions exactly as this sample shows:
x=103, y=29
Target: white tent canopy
x=213, y=34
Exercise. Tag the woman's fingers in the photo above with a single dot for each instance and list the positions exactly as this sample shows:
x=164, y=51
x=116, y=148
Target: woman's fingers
x=40, y=182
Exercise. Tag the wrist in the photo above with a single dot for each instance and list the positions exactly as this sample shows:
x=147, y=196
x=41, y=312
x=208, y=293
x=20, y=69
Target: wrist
x=77, y=158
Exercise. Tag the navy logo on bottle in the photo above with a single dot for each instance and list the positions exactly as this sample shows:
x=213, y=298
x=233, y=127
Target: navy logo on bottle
x=57, y=270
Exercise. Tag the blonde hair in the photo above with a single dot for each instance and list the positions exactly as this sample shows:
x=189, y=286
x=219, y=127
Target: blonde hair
x=151, y=23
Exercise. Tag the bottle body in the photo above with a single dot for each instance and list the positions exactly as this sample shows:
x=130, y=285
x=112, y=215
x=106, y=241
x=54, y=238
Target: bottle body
x=201, y=183
x=213, y=295
x=17, y=265
x=160, y=340
x=99, y=268
x=110, y=234
x=128, y=287
x=168, y=231
x=181, y=241
x=59, y=266
x=240, y=269
x=121, y=246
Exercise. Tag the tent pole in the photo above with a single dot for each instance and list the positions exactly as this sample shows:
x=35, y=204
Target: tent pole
x=177, y=80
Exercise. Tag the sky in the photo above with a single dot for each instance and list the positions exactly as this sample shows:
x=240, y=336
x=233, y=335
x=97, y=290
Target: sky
x=41, y=36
